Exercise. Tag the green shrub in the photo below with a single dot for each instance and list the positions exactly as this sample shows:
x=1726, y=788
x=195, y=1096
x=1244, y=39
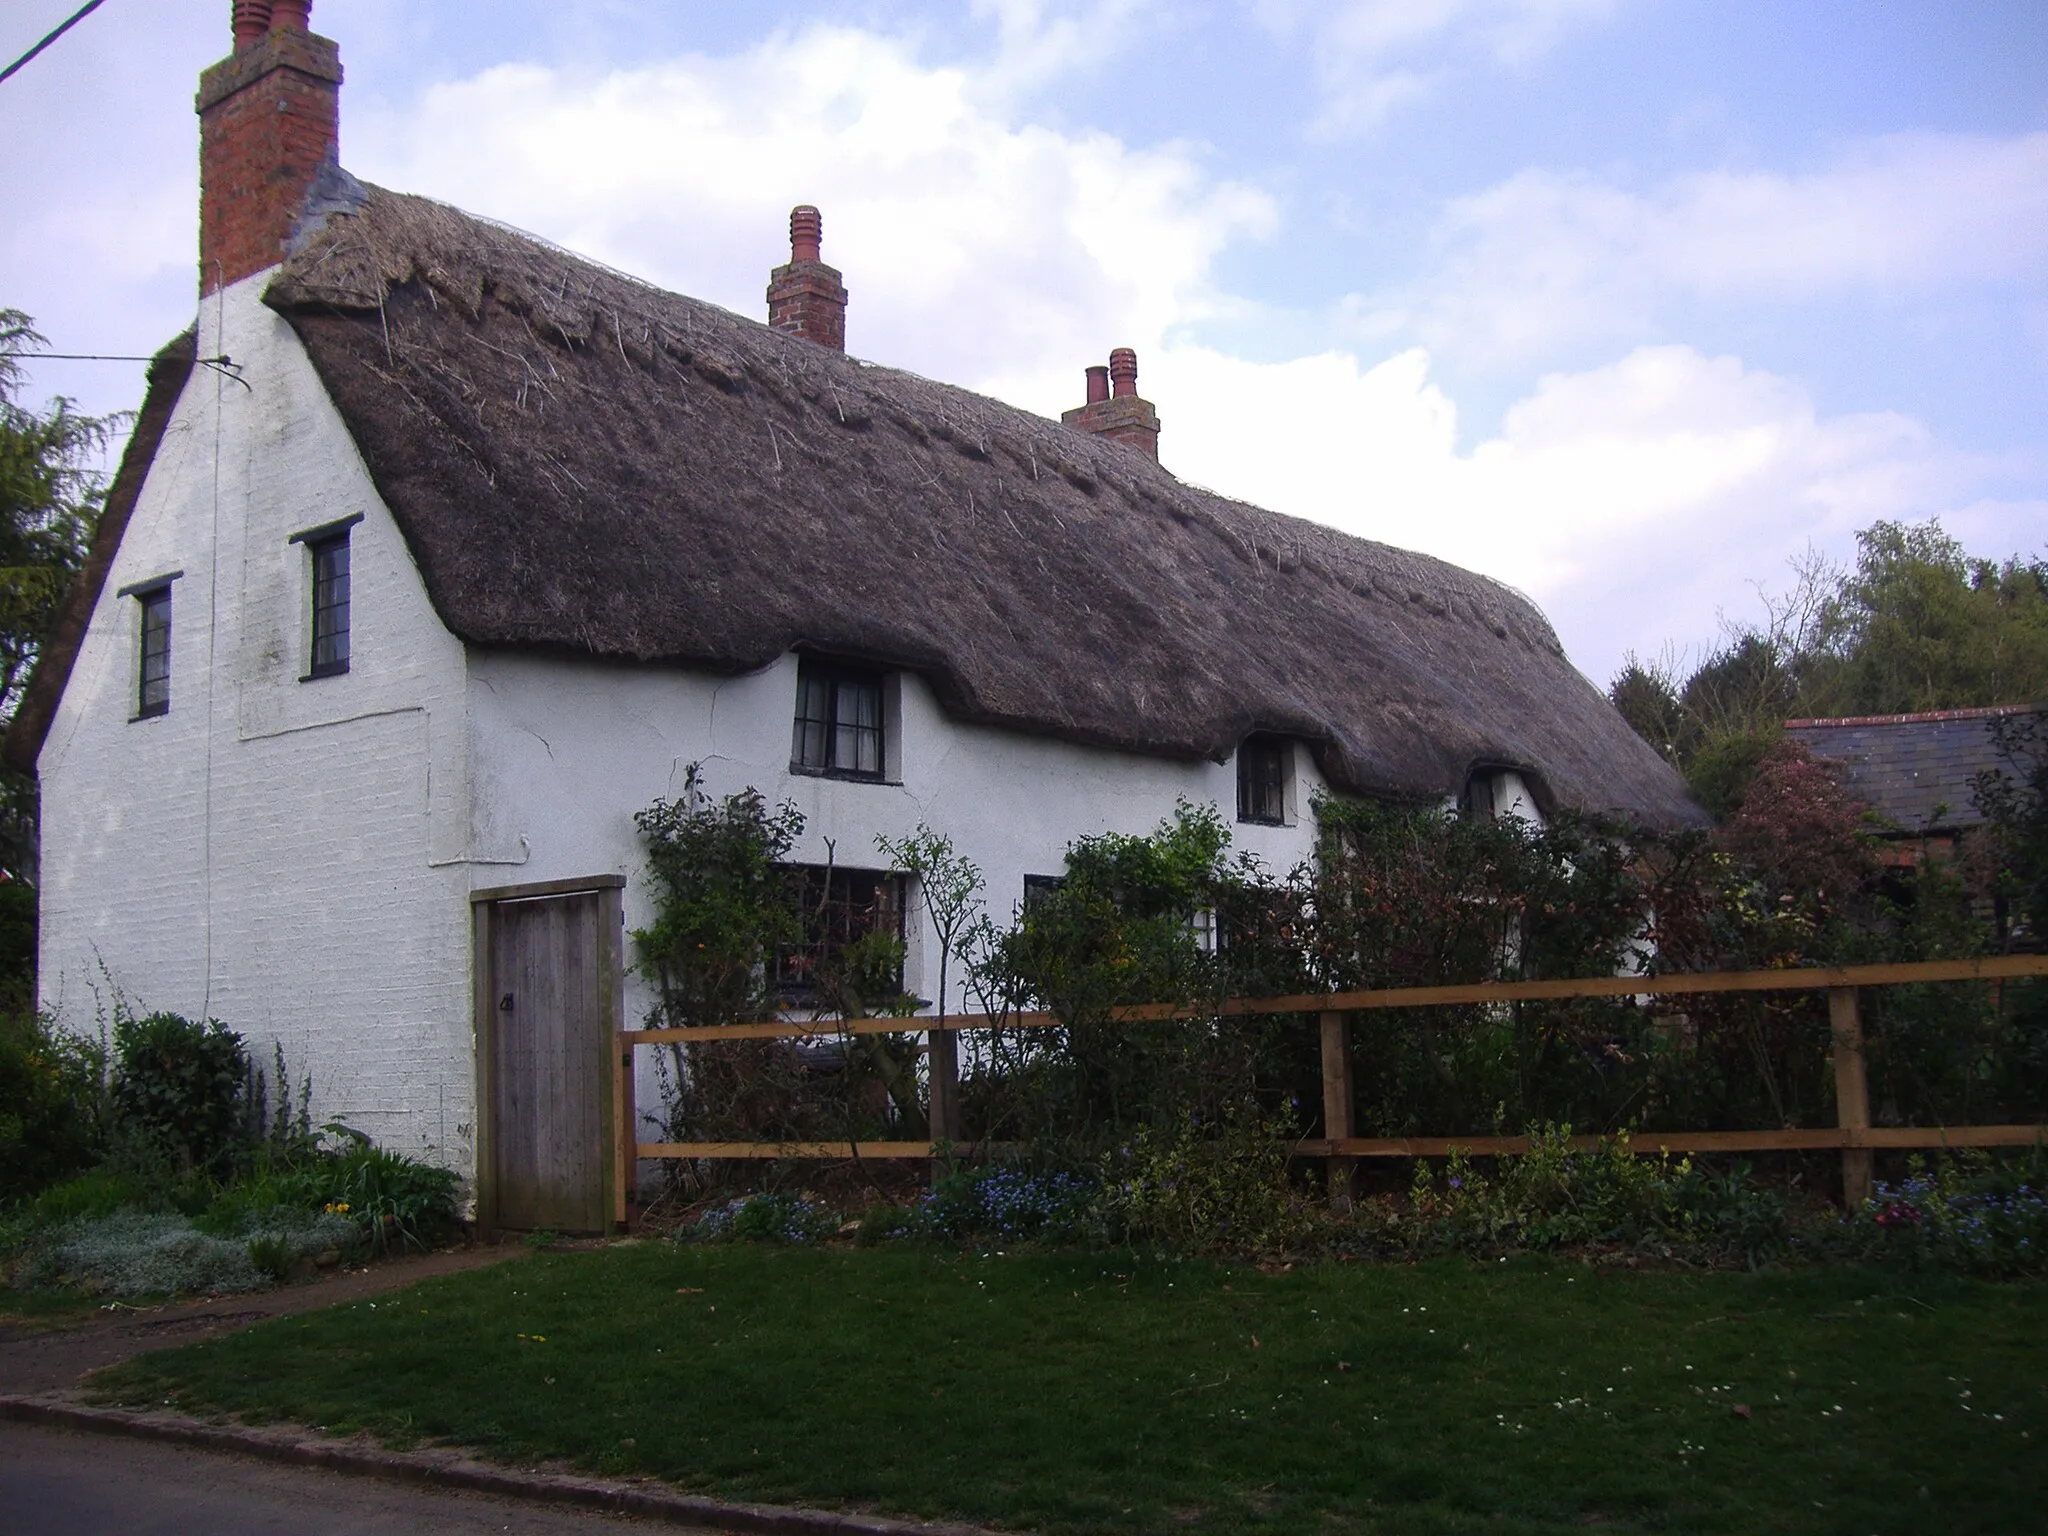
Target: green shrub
x=1555, y=1197
x=17, y=946
x=392, y=1200
x=136, y=1253
x=1219, y=1188
x=100, y=1192
x=50, y=1102
x=272, y=1255
x=183, y=1083
x=1726, y=1213
x=130, y=1253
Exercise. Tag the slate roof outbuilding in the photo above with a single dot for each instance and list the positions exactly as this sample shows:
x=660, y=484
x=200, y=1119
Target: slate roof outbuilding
x=1916, y=772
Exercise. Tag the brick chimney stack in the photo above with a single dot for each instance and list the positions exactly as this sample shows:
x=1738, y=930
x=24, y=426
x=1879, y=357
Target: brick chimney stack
x=1114, y=410
x=269, y=125
x=806, y=297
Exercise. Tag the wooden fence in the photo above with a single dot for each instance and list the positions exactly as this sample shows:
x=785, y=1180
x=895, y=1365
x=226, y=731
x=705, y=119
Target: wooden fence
x=1852, y=1134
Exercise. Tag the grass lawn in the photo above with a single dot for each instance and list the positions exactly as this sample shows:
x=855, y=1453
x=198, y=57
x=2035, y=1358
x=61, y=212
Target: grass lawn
x=1092, y=1392
x=37, y=1311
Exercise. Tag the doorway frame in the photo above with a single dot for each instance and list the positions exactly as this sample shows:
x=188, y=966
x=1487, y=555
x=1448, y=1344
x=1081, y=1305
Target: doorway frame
x=611, y=1010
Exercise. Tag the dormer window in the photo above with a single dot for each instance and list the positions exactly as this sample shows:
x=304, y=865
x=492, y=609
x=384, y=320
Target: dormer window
x=1265, y=773
x=839, y=721
x=1499, y=794
x=327, y=548
x=1478, y=799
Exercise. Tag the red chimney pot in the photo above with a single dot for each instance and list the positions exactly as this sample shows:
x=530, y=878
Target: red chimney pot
x=1113, y=409
x=1123, y=372
x=806, y=297
x=252, y=20
x=806, y=234
x=269, y=126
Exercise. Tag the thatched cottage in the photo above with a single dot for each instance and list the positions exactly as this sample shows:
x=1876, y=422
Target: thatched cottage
x=438, y=552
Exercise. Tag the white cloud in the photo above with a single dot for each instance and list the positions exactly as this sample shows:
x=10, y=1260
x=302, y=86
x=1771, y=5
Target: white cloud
x=1372, y=56
x=1633, y=501
x=974, y=247
x=1038, y=41
x=1546, y=257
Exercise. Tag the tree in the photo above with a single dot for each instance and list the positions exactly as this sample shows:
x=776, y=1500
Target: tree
x=949, y=886
x=51, y=491
x=1918, y=624
x=2013, y=798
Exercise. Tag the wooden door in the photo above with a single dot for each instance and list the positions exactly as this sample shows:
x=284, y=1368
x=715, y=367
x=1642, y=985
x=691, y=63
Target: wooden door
x=548, y=987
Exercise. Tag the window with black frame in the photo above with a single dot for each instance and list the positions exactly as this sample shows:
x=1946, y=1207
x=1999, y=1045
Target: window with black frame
x=1263, y=769
x=838, y=907
x=330, y=606
x=327, y=548
x=838, y=728
x=1039, y=889
x=153, y=670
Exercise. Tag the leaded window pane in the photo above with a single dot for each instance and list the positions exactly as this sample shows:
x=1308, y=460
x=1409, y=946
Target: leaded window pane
x=330, y=606
x=154, y=691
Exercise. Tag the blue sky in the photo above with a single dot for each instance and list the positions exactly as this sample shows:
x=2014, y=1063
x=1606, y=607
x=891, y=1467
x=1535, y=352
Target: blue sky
x=1628, y=303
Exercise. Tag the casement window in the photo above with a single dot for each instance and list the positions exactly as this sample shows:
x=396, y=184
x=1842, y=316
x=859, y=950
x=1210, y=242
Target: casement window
x=839, y=907
x=1038, y=889
x=153, y=644
x=1265, y=767
x=839, y=721
x=328, y=551
x=1478, y=799
x=153, y=691
x=1495, y=794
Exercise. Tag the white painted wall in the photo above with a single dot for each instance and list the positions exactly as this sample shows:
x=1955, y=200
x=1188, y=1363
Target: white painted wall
x=565, y=753
x=295, y=858
x=284, y=856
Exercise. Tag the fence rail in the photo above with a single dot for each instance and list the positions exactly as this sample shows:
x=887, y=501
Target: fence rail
x=1853, y=1135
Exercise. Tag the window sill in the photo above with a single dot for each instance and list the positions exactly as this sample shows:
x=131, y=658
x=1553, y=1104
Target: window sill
x=844, y=775
x=1263, y=821
x=149, y=714
x=317, y=673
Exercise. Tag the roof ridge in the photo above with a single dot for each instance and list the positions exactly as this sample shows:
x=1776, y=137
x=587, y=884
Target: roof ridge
x=1980, y=712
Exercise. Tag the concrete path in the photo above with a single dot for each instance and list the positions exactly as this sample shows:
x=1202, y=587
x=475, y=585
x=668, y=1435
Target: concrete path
x=58, y=1483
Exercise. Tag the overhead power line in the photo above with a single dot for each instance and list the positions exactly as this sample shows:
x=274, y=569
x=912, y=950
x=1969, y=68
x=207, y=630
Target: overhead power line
x=69, y=22
x=224, y=365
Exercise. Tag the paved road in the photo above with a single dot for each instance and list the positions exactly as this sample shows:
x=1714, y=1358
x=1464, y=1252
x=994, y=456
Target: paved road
x=57, y=1483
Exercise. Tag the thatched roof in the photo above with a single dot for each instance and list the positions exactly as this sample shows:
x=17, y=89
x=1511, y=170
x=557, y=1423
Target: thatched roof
x=584, y=464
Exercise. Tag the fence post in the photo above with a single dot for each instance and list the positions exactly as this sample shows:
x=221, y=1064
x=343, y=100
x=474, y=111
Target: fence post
x=1337, y=1104
x=942, y=1054
x=625, y=1130
x=1852, y=1091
